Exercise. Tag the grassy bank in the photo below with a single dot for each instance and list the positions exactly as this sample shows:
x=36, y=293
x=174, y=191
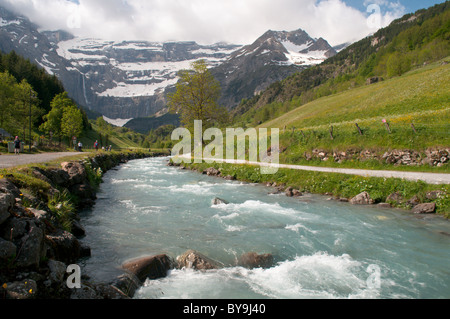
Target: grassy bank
x=340, y=185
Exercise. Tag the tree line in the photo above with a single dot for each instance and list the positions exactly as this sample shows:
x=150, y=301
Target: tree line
x=31, y=99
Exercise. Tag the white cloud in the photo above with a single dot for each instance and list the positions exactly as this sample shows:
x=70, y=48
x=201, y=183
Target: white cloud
x=204, y=21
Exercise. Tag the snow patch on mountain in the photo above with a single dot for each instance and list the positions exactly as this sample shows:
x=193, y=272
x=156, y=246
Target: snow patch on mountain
x=117, y=122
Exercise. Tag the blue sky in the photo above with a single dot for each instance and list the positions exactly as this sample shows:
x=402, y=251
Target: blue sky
x=409, y=5
x=211, y=21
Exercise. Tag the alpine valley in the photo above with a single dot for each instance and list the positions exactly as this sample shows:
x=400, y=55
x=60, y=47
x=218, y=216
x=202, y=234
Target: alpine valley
x=125, y=80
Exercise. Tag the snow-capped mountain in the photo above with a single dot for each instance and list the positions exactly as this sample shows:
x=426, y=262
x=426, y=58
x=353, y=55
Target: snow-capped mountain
x=130, y=79
x=132, y=75
x=271, y=58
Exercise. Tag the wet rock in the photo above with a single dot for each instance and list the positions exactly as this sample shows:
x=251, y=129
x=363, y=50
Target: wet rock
x=127, y=283
x=194, y=260
x=289, y=192
x=219, y=201
x=362, y=199
x=253, y=260
x=153, y=267
x=427, y=208
x=77, y=229
x=384, y=205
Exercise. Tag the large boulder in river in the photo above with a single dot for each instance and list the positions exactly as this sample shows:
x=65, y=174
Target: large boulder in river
x=253, y=260
x=219, y=201
x=152, y=267
x=195, y=260
x=362, y=199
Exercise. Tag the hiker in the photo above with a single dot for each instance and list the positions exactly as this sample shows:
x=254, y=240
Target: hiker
x=96, y=145
x=80, y=147
x=17, y=145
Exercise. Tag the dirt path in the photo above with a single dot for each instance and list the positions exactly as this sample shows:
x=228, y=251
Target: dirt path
x=429, y=178
x=7, y=161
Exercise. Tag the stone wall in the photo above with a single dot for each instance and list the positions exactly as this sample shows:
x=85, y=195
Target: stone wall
x=431, y=157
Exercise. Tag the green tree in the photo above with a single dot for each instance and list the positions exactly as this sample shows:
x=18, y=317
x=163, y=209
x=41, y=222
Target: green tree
x=26, y=109
x=53, y=120
x=72, y=122
x=7, y=89
x=196, y=98
x=104, y=128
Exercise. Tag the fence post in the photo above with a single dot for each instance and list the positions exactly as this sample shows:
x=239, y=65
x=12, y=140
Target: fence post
x=387, y=125
x=359, y=129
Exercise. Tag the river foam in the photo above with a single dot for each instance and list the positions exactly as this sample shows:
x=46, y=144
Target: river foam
x=322, y=249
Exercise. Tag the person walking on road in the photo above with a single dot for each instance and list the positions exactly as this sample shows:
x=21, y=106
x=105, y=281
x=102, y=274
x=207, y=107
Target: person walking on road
x=17, y=146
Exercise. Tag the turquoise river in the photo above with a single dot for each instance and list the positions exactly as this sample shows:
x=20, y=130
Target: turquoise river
x=322, y=249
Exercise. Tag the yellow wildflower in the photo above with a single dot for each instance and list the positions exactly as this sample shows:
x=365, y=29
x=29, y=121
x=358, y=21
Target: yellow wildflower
x=5, y=286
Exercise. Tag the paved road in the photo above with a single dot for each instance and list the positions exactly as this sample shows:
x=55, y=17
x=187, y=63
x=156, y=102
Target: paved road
x=430, y=178
x=7, y=161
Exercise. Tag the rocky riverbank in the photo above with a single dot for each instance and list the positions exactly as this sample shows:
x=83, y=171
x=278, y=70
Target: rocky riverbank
x=37, y=241
x=421, y=203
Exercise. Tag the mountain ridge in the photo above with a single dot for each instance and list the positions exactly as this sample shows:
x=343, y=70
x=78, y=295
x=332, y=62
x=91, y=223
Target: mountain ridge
x=130, y=79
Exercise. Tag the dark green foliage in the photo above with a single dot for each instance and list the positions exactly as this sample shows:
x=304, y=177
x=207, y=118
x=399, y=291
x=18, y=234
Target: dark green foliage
x=47, y=86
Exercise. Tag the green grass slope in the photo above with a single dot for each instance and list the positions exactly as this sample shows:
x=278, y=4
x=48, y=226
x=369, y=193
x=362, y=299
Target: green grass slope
x=420, y=97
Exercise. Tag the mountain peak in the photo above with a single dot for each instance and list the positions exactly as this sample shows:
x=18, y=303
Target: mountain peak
x=289, y=47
